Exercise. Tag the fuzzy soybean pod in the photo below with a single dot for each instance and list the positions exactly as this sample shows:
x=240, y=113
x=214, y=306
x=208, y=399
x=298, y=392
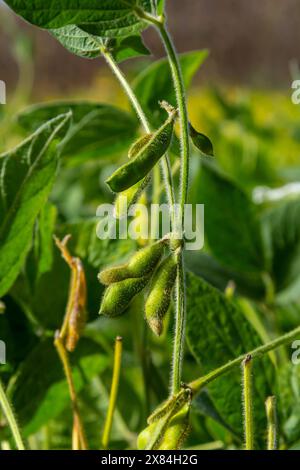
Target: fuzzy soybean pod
x=160, y=295
x=118, y=296
x=142, y=263
x=127, y=198
x=146, y=158
x=177, y=430
x=168, y=425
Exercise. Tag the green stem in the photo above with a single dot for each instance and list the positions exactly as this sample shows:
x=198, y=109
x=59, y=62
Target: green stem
x=10, y=417
x=179, y=340
x=182, y=109
x=165, y=164
x=198, y=384
x=78, y=422
x=180, y=320
x=113, y=392
x=248, y=402
x=272, y=422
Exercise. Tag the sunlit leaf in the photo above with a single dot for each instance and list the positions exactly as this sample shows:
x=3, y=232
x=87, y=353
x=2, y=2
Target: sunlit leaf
x=27, y=175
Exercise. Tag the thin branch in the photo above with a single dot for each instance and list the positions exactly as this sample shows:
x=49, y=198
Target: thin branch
x=10, y=417
x=113, y=392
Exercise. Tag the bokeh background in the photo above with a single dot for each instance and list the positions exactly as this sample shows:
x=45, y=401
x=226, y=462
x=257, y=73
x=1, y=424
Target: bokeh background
x=251, y=43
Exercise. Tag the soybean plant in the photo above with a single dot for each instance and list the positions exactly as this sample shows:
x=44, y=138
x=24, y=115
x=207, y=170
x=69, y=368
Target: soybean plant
x=156, y=273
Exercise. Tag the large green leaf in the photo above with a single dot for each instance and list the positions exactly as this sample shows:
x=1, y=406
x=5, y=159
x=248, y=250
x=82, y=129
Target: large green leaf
x=128, y=48
x=107, y=18
x=288, y=380
x=27, y=174
x=283, y=227
x=53, y=283
x=98, y=130
x=154, y=83
x=17, y=333
x=206, y=267
x=217, y=332
x=78, y=42
x=232, y=228
x=81, y=43
x=39, y=390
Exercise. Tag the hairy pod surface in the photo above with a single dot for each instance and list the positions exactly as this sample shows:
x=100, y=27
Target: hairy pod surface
x=160, y=295
x=139, y=145
x=173, y=403
x=168, y=425
x=118, y=296
x=141, y=264
x=177, y=430
x=127, y=198
x=139, y=166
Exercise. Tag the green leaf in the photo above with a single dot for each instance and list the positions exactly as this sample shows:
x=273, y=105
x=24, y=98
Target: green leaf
x=288, y=381
x=109, y=18
x=53, y=284
x=78, y=42
x=128, y=48
x=206, y=267
x=283, y=227
x=98, y=130
x=44, y=242
x=17, y=333
x=27, y=175
x=153, y=84
x=232, y=229
x=86, y=45
x=218, y=332
x=201, y=142
x=41, y=376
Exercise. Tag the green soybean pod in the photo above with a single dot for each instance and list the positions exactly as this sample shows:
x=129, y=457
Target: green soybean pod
x=139, y=145
x=152, y=437
x=172, y=404
x=118, y=296
x=145, y=436
x=142, y=263
x=160, y=295
x=125, y=199
x=177, y=430
x=139, y=166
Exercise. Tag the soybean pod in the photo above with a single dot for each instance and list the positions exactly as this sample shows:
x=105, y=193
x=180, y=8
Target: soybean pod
x=160, y=294
x=141, y=264
x=118, y=296
x=130, y=196
x=148, y=155
x=177, y=430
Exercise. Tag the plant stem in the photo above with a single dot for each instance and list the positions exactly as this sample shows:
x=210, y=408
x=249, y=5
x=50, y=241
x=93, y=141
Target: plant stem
x=198, y=384
x=113, y=392
x=10, y=417
x=180, y=320
x=179, y=341
x=248, y=402
x=165, y=164
x=182, y=109
x=272, y=422
x=127, y=88
x=78, y=424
